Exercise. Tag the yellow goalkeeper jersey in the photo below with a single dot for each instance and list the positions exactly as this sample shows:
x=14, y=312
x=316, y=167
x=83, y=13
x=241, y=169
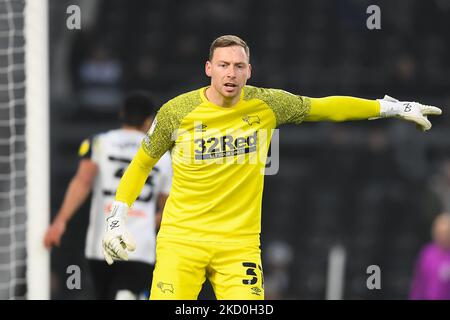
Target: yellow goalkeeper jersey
x=218, y=158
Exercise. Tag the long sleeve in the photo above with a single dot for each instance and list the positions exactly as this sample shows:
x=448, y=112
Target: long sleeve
x=134, y=177
x=342, y=108
x=293, y=108
x=287, y=107
x=158, y=140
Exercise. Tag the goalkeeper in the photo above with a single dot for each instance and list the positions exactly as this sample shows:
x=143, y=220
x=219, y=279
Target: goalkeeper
x=218, y=137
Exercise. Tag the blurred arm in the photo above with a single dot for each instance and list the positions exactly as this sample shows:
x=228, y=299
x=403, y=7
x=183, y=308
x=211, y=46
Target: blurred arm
x=79, y=188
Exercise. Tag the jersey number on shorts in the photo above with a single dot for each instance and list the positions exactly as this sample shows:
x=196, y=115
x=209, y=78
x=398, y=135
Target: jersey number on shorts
x=251, y=268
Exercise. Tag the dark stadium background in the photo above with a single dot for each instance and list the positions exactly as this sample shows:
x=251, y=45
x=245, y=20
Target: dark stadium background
x=372, y=186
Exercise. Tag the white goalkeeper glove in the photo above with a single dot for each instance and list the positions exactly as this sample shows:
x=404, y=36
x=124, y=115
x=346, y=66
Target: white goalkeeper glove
x=117, y=241
x=410, y=111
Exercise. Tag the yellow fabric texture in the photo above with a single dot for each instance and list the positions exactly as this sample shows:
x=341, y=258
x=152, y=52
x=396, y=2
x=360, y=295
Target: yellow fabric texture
x=218, y=158
x=342, y=108
x=234, y=270
x=134, y=177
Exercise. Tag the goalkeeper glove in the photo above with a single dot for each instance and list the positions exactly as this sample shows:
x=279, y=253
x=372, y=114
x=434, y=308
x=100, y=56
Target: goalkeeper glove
x=411, y=111
x=117, y=241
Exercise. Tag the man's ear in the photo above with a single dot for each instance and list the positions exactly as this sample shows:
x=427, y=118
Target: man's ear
x=208, y=68
x=249, y=71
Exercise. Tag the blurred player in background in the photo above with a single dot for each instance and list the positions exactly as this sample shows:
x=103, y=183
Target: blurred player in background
x=219, y=136
x=104, y=158
x=432, y=273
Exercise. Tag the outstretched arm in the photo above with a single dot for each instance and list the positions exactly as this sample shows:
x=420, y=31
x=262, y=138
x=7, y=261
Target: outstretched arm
x=292, y=108
x=341, y=108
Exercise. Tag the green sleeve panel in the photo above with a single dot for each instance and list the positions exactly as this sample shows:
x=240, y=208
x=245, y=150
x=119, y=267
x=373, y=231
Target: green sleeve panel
x=162, y=134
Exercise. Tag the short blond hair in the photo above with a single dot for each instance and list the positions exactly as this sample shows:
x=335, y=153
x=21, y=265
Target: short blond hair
x=228, y=41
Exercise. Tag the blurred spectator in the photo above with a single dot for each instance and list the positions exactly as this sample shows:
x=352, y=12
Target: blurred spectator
x=100, y=81
x=432, y=273
x=277, y=278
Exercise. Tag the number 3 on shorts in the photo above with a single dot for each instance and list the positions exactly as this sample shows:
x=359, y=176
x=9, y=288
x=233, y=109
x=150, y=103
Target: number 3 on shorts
x=252, y=278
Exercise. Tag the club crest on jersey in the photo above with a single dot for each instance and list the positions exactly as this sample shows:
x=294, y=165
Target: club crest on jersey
x=251, y=119
x=225, y=146
x=165, y=287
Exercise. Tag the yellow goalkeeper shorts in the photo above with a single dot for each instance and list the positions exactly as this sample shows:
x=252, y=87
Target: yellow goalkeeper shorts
x=182, y=266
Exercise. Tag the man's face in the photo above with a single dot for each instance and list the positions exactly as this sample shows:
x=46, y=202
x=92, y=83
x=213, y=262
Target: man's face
x=229, y=70
x=441, y=231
